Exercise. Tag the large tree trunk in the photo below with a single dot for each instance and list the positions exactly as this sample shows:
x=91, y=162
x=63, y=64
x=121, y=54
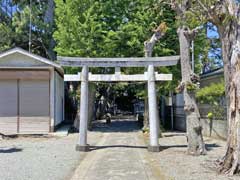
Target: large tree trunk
x=196, y=144
x=225, y=15
x=230, y=38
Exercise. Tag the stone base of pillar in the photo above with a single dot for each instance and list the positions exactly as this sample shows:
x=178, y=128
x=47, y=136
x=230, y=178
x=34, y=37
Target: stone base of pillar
x=153, y=148
x=82, y=148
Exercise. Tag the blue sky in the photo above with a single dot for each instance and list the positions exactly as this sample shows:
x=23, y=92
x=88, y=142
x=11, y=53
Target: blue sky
x=212, y=32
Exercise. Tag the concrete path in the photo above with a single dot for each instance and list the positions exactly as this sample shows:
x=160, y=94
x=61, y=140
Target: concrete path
x=120, y=155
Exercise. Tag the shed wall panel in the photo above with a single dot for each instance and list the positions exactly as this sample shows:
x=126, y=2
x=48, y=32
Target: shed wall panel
x=59, y=99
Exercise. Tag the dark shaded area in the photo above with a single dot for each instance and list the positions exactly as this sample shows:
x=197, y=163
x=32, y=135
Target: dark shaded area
x=10, y=150
x=209, y=147
x=172, y=146
x=120, y=125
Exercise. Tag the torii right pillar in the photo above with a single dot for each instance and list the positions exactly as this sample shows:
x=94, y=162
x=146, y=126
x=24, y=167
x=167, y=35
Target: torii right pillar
x=153, y=111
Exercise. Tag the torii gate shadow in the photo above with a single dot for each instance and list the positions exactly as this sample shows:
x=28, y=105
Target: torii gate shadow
x=209, y=147
x=92, y=148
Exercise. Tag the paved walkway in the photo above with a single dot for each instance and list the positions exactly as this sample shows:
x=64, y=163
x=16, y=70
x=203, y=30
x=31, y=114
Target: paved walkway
x=120, y=155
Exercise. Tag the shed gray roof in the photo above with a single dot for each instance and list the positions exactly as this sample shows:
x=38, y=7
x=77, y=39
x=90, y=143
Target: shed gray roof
x=212, y=73
x=33, y=56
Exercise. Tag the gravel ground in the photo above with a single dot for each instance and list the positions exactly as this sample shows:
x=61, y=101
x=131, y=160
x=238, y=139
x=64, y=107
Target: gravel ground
x=55, y=158
x=41, y=158
x=177, y=165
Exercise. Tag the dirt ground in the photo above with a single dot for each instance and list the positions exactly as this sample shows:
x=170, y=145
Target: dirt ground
x=175, y=164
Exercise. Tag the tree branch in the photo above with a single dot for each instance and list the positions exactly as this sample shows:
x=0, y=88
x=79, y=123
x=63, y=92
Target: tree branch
x=158, y=33
x=191, y=34
x=210, y=12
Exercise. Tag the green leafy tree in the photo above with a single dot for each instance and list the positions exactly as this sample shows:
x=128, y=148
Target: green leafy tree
x=15, y=16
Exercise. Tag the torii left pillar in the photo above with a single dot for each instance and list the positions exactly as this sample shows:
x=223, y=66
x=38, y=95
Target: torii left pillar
x=82, y=142
x=153, y=111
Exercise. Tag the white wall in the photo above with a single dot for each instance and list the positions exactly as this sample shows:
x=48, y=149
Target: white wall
x=59, y=99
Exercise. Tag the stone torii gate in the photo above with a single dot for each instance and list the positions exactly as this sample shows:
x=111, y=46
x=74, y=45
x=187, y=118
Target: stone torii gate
x=150, y=76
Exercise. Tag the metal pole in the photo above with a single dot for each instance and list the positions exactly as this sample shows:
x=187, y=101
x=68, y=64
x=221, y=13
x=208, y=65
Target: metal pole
x=172, y=122
x=30, y=26
x=193, y=56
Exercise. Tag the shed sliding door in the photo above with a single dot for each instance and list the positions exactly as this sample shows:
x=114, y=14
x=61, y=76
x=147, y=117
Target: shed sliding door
x=8, y=106
x=34, y=106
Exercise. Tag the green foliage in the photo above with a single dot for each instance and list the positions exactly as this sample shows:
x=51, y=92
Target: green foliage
x=191, y=87
x=211, y=94
x=210, y=115
x=5, y=36
x=107, y=28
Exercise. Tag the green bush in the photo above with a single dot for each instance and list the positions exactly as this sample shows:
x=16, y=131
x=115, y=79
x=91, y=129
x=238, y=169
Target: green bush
x=211, y=94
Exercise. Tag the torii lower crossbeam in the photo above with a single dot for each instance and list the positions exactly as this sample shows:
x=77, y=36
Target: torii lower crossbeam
x=117, y=77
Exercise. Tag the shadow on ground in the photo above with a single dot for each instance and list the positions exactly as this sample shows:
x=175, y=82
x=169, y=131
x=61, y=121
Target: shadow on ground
x=209, y=147
x=122, y=125
x=10, y=150
x=163, y=147
x=92, y=148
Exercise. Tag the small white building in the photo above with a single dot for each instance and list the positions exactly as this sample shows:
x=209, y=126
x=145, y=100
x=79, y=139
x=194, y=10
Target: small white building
x=31, y=93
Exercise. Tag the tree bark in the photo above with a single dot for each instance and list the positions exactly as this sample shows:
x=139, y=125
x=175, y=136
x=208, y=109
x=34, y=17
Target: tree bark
x=230, y=38
x=225, y=15
x=196, y=144
x=230, y=163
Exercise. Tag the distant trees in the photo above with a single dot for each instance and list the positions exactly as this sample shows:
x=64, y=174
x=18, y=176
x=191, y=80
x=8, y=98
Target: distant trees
x=15, y=23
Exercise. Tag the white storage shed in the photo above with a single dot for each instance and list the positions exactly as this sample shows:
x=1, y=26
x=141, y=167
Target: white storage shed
x=31, y=93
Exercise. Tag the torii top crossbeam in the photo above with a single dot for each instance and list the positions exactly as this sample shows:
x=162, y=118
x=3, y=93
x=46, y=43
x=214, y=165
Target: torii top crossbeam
x=118, y=62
